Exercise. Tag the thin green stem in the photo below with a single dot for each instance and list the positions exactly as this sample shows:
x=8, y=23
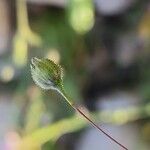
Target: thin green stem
x=64, y=95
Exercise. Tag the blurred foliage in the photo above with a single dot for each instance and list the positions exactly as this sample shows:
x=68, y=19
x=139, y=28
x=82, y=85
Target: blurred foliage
x=81, y=15
x=24, y=35
x=35, y=111
x=72, y=35
x=55, y=130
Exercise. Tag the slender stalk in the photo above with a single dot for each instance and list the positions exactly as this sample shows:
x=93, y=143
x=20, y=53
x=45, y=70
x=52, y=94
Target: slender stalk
x=62, y=92
x=22, y=16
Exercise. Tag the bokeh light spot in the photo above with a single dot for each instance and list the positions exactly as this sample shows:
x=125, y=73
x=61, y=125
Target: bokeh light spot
x=12, y=140
x=82, y=16
x=7, y=73
x=54, y=55
x=120, y=117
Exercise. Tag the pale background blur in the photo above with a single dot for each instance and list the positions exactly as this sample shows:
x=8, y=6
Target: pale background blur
x=104, y=48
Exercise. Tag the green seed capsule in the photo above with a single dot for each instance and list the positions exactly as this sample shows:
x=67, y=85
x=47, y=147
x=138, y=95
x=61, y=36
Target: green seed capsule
x=46, y=73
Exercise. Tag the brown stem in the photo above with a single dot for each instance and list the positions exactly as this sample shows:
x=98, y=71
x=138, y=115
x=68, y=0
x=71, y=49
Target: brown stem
x=62, y=92
x=97, y=127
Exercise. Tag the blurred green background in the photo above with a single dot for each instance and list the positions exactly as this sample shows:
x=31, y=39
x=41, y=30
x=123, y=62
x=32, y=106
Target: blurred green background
x=104, y=49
